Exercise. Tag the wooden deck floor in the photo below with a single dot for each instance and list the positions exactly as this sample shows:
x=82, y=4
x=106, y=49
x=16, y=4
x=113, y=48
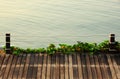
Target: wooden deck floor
x=77, y=66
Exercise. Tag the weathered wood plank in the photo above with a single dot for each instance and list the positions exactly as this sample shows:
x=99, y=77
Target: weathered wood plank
x=84, y=67
x=117, y=59
x=104, y=76
x=79, y=67
x=93, y=69
x=44, y=67
x=62, y=68
x=75, y=66
x=66, y=67
x=22, y=64
x=111, y=67
x=102, y=64
x=56, y=73
x=15, y=73
x=106, y=65
x=17, y=67
x=35, y=67
x=88, y=67
x=3, y=67
x=8, y=65
x=25, y=70
x=70, y=67
x=31, y=66
x=1, y=60
x=12, y=67
x=117, y=71
x=99, y=76
x=53, y=66
x=40, y=62
x=48, y=67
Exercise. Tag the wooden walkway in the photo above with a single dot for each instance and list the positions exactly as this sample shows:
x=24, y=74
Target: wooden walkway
x=76, y=66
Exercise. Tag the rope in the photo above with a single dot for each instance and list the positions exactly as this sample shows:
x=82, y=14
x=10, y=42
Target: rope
x=59, y=36
x=21, y=39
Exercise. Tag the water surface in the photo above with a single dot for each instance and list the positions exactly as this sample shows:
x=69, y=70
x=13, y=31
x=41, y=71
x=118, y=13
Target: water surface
x=36, y=23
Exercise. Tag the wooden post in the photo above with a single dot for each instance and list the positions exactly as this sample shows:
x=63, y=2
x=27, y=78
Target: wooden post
x=112, y=43
x=8, y=50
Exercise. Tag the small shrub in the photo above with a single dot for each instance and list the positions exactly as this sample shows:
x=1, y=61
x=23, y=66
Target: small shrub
x=81, y=47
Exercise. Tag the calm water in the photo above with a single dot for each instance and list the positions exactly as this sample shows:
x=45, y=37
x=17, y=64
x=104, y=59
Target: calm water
x=36, y=23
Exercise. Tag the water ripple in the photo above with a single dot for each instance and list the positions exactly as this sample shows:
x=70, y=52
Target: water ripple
x=57, y=18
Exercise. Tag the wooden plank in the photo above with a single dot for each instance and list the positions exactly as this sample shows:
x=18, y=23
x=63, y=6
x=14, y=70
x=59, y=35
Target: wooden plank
x=40, y=62
x=117, y=59
x=111, y=67
x=56, y=72
x=118, y=63
x=79, y=66
x=34, y=74
x=54, y=67
x=22, y=64
x=44, y=66
x=25, y=70
x=99, y=76
x=74, y=66
x=103, y=69
x=84, y=67
x=106, y=64
x=70, y=67
x=66, y=67
x=17, y=67
x=3, y=67
x=75, y=72
x=12, y=67
x=62, y=68
x=1, y=60
x=88, y=67
x=74, y=59
x=51, y=67
x=31, y=66
x=117, y=71
x=8, y=65
x=48, y=67
x=93, y=69
x=15, y=73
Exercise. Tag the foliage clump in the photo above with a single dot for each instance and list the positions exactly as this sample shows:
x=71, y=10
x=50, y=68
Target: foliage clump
x=79, y=47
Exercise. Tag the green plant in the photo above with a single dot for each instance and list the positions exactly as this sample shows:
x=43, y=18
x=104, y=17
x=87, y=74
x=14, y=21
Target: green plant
x=82, y=47
x=104, y=46
x=16, y=50
x=66, y=49
x=40, y=50
x=85, y=47
x=51, y=49
x=118, y=46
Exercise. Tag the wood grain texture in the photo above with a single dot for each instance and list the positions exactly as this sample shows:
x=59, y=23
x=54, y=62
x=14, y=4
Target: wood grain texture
x=59, y=66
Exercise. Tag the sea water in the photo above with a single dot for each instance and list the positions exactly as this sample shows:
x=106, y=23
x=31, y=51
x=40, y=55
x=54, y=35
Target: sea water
x=37, y=23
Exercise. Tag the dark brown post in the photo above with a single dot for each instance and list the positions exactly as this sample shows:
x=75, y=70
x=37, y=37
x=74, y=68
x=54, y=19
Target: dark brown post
x=8, y=50
x=112, y=43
